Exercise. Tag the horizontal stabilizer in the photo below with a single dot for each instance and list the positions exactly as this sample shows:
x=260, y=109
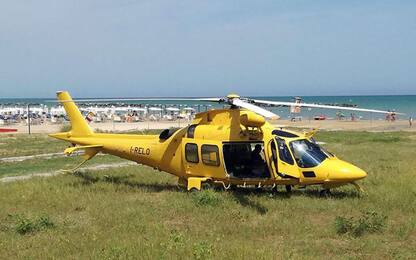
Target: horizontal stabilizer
x=70, y=150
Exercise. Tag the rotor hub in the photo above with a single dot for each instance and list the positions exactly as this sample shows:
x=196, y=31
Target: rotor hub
x=232, y=96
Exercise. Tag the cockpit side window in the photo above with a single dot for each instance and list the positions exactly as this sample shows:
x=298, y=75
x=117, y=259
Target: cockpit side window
x=284, y=153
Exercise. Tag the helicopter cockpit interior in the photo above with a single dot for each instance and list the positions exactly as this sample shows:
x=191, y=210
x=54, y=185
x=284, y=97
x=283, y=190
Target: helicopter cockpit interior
x=245, y=160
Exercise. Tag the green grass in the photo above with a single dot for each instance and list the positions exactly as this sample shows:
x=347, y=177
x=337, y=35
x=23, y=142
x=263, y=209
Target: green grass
x=368, y=222
x=136, y=212
x=12, y=145
x=25, y=225
x=22, y=144
x=50, y=165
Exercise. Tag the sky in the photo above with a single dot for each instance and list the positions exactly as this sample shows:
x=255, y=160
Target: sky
x=140, y=48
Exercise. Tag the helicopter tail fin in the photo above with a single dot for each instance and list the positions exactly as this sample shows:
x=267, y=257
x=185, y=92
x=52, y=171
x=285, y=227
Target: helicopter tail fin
x=79, y=126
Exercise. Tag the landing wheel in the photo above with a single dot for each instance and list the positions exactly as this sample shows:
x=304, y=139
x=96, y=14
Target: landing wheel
x=325, y=193
x=288, y=188
x=208, y=185
x=182, y=184
x=193, y=190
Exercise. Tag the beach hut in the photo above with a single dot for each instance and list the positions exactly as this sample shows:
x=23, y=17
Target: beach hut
x=119, y=114
x=171, y=113
x=188, y=113
x=155, y=113
x=57, y=111
x=138, y=113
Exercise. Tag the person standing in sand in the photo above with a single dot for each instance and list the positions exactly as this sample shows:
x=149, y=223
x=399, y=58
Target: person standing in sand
x=410, y=121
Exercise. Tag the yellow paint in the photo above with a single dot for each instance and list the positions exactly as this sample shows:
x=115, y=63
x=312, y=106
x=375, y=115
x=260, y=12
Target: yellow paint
x=251, y=120
x=70, y=150
x=79, y=126
x=195, y=183
x=232, y=95
x=213, y=129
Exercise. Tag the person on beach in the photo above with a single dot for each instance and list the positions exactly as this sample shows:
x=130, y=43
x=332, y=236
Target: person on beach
x=410, y=121
x=352, y=117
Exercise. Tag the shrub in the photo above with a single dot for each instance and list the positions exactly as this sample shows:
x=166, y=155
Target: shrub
x=45, y=222
x=202, y=250
x=26, y=225
x=342, y=225
x=368, y=222
x=176, y=240
x=206, y=198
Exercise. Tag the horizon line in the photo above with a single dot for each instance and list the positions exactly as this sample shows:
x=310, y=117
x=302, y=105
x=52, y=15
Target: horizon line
x=248, y=96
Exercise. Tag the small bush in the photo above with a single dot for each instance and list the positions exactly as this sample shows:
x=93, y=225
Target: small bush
x=202, y=250
x=45, y=222
x=26, y=225
x=368, y=222
x=343, y=225
x=206, y=198
x=176, y=240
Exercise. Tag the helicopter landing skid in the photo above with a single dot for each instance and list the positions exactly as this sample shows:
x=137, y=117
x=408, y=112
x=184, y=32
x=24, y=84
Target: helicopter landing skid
x=358, y=187
x=76, y=167
x=89, y=152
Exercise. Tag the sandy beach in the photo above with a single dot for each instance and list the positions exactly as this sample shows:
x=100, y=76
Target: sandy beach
x=330, y=125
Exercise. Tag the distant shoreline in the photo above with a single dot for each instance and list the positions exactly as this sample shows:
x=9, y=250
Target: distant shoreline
x=249, y=96
x=328, y=125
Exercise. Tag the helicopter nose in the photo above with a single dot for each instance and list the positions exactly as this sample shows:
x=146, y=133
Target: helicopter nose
x=344, y=171
x=354, y=173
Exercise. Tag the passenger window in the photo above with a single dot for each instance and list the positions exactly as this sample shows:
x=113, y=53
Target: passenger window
x=191, y=153
x=210, y=154
x=284, y=153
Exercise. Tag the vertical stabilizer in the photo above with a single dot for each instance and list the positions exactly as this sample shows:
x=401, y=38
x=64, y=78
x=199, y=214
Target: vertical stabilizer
x=79, y=126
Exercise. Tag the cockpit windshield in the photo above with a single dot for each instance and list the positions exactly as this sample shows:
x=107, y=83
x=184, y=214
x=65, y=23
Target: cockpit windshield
x=307, y=154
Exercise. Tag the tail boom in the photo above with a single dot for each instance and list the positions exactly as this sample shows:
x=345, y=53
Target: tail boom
x=79, y=127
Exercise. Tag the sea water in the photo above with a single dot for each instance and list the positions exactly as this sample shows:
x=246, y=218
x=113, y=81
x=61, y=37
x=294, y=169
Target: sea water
x=399, y=103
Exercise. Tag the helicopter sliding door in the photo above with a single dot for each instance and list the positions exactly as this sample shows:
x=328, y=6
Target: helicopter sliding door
x=286, y=166
x=245, y=160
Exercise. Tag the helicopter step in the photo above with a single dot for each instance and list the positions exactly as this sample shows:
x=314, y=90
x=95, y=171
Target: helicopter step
x=193, y=183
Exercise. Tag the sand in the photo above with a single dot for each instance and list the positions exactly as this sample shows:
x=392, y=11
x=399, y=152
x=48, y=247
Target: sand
x=333, y=125
x=361, y=125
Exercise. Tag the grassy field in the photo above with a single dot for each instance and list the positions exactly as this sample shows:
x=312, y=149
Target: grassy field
x=136, y=212
x=22, y=144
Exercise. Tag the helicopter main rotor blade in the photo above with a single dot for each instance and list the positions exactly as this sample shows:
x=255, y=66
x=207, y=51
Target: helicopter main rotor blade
x=256, y=109
x=281, y=103
x=92, y=100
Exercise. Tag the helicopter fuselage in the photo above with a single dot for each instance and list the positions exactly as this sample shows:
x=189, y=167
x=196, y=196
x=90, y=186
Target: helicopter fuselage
x=224, y=147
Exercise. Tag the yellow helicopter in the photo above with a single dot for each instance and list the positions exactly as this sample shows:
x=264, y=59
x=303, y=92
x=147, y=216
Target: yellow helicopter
x=227, y=147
